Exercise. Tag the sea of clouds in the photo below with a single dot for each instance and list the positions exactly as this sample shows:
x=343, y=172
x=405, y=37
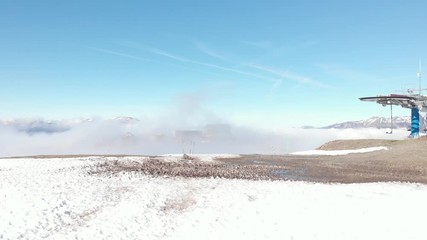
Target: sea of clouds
x=22, y=137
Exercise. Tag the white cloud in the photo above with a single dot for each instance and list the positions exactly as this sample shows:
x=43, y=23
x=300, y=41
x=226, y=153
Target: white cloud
x=259, y=44
x=158, y=136
x=348, y=74
x=208, y=51
x=291, y=76
x=166, y=54
x=119, y=54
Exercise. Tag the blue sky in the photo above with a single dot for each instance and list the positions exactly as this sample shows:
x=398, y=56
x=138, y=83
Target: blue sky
x=259, y=63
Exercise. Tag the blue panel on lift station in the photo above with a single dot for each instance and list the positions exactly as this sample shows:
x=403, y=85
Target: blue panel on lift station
x=415, y=122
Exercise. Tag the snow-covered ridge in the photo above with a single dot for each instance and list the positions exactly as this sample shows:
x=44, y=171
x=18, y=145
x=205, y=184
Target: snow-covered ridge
x=375, y=122
x=37, y=125
x=339, y=152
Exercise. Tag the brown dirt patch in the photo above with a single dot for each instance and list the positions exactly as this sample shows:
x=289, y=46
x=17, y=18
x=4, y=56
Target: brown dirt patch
x=189, y=169
x=405, y=161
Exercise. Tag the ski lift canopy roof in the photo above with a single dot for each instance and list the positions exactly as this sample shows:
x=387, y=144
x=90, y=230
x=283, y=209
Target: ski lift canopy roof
x=406, y=101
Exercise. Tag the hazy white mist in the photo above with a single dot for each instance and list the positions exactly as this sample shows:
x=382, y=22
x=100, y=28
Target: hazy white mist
x=143, y=136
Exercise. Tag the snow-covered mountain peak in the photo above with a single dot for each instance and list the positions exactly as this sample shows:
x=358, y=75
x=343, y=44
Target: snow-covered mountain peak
x=375, y=122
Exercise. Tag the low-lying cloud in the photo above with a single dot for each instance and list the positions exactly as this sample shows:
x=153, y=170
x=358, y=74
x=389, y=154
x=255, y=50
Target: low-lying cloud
x=134, y=136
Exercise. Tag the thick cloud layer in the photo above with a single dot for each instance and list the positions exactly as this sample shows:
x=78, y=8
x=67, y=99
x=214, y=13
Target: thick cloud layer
x=133, y=136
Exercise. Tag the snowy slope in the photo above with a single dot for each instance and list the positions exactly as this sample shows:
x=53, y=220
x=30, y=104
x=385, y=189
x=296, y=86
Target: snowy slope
x=375, y=122
x=339, y=152
x=58, y=199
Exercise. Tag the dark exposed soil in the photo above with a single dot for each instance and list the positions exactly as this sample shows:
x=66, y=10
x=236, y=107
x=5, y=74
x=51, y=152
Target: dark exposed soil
x=405, y=161
x=190, y=169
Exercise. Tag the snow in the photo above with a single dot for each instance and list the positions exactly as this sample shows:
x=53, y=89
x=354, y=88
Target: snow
x=58, y=199
x=339, y=152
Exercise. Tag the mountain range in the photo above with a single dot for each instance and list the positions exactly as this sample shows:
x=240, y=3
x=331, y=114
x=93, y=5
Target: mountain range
x=374, y=122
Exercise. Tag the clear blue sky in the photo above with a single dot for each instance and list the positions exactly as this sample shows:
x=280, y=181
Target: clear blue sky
x=264, y=63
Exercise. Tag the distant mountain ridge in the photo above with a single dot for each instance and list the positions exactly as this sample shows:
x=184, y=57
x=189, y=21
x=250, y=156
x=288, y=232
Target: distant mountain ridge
x=374, y=122
x=36, y=126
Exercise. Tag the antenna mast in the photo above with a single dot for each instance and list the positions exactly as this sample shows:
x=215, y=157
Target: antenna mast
x=419, y=76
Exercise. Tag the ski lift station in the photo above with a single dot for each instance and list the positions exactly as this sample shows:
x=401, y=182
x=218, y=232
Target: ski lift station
x=416, y=102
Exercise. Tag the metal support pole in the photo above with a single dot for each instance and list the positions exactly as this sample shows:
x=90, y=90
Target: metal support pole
x=419, y=77
x=391, y=118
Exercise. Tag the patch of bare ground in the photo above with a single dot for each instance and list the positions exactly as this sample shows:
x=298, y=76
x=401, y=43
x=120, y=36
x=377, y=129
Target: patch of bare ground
x=189, y=169
x=405, y=161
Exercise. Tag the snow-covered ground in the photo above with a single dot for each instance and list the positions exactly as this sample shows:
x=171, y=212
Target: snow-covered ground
x=339, y=152
x=58, y=199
